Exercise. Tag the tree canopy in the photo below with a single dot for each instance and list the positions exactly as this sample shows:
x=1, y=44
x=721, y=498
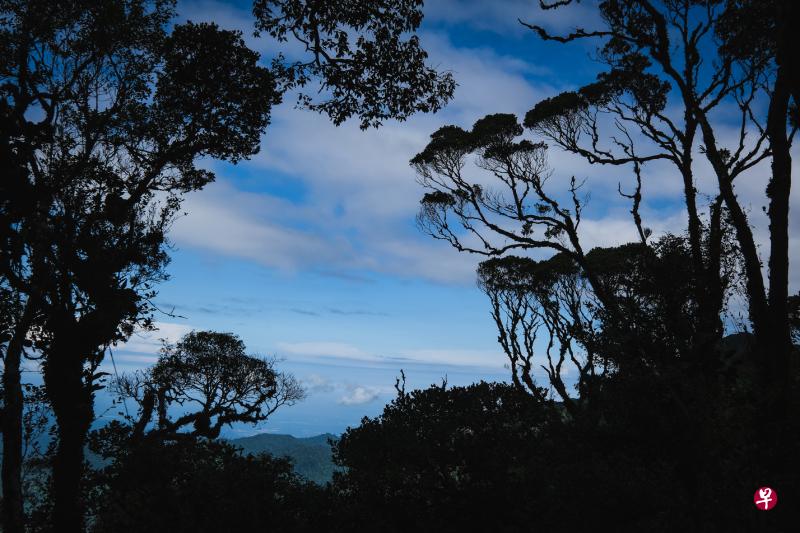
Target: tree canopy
x=212, y=382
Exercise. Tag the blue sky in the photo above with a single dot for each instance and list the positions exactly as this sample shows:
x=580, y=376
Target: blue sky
x=310, y=253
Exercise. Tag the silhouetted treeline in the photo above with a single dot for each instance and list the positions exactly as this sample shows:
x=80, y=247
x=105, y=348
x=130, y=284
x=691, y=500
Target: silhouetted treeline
x=486, y=456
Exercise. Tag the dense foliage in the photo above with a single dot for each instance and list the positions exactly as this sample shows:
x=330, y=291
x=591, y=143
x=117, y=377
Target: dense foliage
x=203, y=486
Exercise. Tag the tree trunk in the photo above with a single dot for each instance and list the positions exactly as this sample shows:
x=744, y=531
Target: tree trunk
x=13, y=513
x=72, y=404
x=756, y=295
x=778, y=192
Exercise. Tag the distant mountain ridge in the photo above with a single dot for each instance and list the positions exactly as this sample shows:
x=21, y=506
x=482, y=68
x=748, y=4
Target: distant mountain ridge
x=312, y=456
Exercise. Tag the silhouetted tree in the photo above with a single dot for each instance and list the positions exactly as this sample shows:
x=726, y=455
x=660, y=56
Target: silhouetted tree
x=210, y=380
x=762, y=33
x=443, y=459
x=167, y=460
x=697, y=56
x=652, y=285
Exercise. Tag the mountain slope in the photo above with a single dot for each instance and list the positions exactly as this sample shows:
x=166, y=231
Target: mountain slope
x=311, y=455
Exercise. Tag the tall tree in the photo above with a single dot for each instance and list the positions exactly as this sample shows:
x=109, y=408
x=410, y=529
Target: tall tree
x=762, y=32
x=699, y=56
x=106, y=141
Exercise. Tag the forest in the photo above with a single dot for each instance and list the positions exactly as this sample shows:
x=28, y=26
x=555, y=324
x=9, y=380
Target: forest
x=650, y=385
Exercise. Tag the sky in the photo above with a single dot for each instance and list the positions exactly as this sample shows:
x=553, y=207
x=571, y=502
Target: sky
x=310, y=253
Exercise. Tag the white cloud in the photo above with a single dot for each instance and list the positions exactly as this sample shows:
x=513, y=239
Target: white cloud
x=238, y=224
x=317, y=383
x=455, y=357
x=135, y=359
x=360, y=194
x=620, y=229
x=324, y=349
x=142, y=349
x=148, y=343
x=359, y=395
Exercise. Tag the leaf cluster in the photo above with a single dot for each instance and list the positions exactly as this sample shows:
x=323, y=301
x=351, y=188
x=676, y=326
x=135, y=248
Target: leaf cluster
x=365, y=54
